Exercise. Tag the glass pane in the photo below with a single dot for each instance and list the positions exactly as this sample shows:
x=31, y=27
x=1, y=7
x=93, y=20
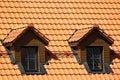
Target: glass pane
x=97, y=64
x=32, y=53
x=94, y=59
x=32, y=65
x=25, y=64
x=29, y=58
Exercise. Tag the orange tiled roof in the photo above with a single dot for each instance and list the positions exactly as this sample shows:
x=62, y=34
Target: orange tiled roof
x=57, y=20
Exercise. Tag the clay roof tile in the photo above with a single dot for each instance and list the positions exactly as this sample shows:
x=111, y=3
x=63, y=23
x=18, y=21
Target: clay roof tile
x=58, y=20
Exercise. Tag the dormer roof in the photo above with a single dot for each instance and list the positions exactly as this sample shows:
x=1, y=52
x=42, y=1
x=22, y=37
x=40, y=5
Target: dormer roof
x=16, y=33
x=82, y=33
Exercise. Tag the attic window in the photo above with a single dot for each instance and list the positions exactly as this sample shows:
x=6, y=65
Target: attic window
x=29, y=58
x=94, y=58
x=27, y=49
x=92, y=48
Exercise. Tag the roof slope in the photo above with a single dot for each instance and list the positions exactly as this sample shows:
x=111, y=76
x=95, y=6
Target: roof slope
x=57, y=20
x=62, y=69
x=61, y=18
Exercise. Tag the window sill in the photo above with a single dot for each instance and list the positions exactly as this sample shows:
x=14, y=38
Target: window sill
x=42, y=68
x=97, y=72
x=106, y=65
x=33, y=73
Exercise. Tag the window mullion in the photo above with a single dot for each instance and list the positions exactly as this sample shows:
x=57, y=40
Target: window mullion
x=94, y=57
x=30, y=59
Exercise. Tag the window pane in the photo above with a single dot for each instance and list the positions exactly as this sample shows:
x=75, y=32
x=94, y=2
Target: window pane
x=25, y=64
x=94, y=59
x=32, y=65
x=29, y=58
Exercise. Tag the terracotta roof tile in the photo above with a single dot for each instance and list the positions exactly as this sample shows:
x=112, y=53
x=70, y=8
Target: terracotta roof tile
x=57, y=20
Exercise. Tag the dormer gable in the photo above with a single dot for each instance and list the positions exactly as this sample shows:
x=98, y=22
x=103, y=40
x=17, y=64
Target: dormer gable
x=79, y=35
x=16, y=33
x=91, y=45
x=27, y=49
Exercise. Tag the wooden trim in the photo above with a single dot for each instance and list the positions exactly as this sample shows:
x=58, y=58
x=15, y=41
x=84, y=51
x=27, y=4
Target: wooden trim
x=12, y=51
x=38, y=58
x=74, y=44
x=103, y=59
x=79, y=52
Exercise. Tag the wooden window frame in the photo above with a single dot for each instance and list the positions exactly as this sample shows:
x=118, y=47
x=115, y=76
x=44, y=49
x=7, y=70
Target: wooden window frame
x=28, y=59
x=93, y=58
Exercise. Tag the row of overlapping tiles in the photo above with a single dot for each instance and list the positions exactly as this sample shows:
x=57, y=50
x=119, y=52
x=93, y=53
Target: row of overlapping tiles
x=58, y=37
x=61, y=77
x=54, y=16
x=66, y=67
x=60, y=22
x=57, y=15
x=62, y=3
x=102, y=1
x=61, y=13
x=111, y=31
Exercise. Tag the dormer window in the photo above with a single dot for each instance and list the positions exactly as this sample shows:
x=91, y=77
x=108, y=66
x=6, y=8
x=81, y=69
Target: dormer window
x=29, y=58
x=27, y=48
x=92, y=47
x=94, y=57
